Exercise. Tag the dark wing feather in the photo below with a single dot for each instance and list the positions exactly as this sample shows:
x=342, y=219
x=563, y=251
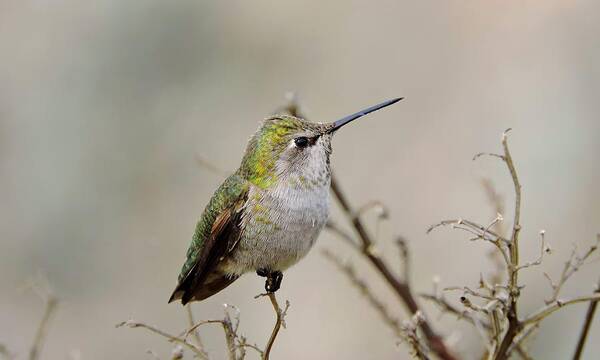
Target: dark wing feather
x=216, y=234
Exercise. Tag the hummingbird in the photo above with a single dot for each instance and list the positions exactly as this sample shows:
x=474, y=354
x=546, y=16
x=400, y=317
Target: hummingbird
x=266, y=216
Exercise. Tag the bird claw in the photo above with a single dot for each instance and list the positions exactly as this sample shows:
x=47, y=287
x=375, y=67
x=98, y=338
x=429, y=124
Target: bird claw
x=273, y=281
x=262, y=272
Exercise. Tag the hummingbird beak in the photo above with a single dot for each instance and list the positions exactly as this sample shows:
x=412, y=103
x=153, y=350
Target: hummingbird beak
x=345, y=120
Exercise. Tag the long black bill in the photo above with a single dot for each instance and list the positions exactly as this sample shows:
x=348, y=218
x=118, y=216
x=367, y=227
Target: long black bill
x=343, y=121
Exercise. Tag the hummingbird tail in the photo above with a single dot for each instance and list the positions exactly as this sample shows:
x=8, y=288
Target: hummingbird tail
x=208, y=289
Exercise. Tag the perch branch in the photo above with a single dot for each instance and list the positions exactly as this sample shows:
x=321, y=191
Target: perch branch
x=589, y=317
x=279, y=322
x=401, y=289
x=348, y=270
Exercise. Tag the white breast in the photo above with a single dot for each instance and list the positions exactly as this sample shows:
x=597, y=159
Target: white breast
x=280, y=225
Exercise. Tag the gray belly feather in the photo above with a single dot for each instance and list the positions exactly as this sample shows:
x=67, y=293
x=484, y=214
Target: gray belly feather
x=279, y=226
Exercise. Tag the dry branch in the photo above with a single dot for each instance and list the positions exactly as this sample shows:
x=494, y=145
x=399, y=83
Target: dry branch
x=191, y=322
x=5, y=353
x=507, y=330
x=236, y=343
x=571, y=266
x=512, y=260
x=348, y=270
x=589, y=317
x=279, y=322
x=446, y=307
x=409, y=329
x=51, y=303
x=557, y=305
x=402, y=290
x=172, y=338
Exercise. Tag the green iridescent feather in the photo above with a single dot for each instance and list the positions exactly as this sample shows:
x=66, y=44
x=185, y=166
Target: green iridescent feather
x=258, y=165
x=231, y=190
x=258, y=168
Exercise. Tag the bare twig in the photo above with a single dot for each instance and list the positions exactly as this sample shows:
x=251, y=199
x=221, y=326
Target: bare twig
x=467, y=290
x=348, y=270
x=133, y=324
x=478, y=229
x=509, y=249
x=191, y=322
x=401, y=289
x=589, y=317
x=334, y=228
x=5, y=353
x=404, y=259
x=480, y=232
x=516, y=229
x=374, y=205
x=230, y=336
x=478, y=155
x=40, y=335
x=188, y=332
x=514, y=325
x=236, y=344
x=496, y=327
x=543, y=250
x=446, y=307
x=280, y=321
x=549, y=309
x=471, y=318
x=410, y=335
x=571, y=266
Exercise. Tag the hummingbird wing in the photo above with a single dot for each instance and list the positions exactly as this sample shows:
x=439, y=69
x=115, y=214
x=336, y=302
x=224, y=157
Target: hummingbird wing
x=217, y=233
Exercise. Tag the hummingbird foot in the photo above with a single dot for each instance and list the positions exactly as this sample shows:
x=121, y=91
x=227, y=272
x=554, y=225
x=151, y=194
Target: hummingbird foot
x=262, y=272
x=273, y=281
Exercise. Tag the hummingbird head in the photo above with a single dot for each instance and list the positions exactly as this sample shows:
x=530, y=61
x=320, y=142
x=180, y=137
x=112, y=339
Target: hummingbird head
x=294, y=149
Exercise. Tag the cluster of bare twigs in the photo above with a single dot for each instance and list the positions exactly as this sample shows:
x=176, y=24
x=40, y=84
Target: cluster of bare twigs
x=493, y=307
x=237, y=344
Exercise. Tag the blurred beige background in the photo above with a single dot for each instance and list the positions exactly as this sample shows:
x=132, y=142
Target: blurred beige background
x=104, y=106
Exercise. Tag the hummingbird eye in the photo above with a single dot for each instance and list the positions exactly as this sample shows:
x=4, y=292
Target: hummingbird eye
x=301, y=142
